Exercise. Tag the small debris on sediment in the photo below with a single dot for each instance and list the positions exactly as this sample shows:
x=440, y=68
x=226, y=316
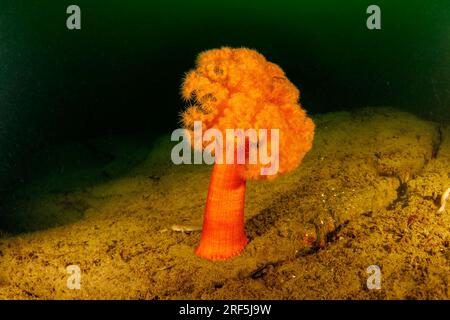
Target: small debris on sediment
x=444, y=200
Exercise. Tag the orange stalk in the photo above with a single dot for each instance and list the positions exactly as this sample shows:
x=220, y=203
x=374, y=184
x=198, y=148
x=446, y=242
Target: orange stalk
x=223, y=234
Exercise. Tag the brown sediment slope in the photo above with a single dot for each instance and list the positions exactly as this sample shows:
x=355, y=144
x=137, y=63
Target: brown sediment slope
x=367, y=194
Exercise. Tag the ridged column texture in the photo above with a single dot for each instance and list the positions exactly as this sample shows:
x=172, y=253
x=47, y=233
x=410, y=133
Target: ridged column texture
x=223, y=234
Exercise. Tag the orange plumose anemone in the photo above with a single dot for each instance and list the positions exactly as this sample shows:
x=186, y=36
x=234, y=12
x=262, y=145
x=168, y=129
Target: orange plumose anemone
x=239, y=89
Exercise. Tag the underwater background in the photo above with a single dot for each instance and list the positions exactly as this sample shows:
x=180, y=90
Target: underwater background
x=84, y=118
x=121, y=72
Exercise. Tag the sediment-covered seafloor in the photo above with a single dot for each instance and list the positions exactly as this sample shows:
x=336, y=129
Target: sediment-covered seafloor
x=367, y=194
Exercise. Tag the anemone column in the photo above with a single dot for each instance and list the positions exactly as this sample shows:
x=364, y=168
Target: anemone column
x=223, y=234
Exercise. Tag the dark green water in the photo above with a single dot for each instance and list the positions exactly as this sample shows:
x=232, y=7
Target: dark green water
x=121, y=72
